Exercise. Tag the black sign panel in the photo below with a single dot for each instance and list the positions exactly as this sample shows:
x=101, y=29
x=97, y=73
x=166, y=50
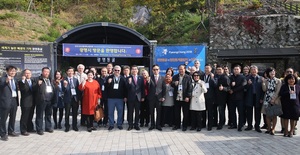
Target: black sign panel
x=32, y=57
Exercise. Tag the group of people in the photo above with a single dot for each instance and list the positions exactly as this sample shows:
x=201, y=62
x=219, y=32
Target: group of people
x=154, y=101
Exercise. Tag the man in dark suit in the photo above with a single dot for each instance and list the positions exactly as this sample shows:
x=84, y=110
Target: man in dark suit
x=8, y=102
x=211, y=108
x=254, y=98
x=126, y=75
x=45, y=98
x=71, y=97
x=237, y=83
x=102, y=80
x=157, y=94
x=26, y=85
x=182, y=84
x=135, y=97
x=222, y=88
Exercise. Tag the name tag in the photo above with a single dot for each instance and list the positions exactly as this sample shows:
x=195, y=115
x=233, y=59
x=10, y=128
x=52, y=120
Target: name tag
x=180, y=87
x=207, y=85
x=170, y=93
x=14, y=93
x=48, y=89
x=73, y=91
x=293, y=96
x=116, y=86
x=103, y=88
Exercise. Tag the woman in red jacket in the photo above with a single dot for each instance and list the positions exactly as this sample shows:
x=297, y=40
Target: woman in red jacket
x=91, y=97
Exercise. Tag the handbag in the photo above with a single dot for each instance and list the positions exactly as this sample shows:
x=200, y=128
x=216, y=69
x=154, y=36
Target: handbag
x=274, y=110
x=99, y=113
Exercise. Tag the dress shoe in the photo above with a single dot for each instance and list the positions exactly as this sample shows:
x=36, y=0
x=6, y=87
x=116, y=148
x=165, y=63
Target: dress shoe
x=175, y=128
x=142, y=125
x=50, y=131
x=129, y=128
x=219, y=127
x=120, y=127
x=258, y=130
x=55, y=126
x=13, y=134
x=25, y=133
x=89, y=129
x=248, y=128
x=184, y=129
x=40, y=133
x=267, y=132
x=193, y=128
x=59, y=126
x=32, y=131
x=93, y=128
x=232, y=127
x=137, y=128
x=110, y=127
x=159, y=128
x=75, y=128
x=151, y=128
x=198, y=129
x=67, y=129
x=4, y=138
x=264, y=126
x=239, y=129
x=272, y=133
x=209, y=129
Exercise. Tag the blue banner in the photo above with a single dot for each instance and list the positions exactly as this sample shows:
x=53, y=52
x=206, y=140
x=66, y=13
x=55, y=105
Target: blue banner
x=173, y=56
x=102, y=50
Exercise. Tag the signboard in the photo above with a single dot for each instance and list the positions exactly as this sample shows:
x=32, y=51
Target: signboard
x=32, y=57
x=102, y=50
x=173, y=56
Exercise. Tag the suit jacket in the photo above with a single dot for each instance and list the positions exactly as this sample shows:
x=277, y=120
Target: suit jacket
x=27, y=98
x=212, y=85
x=102, y=82
x=258, y=91
x=67, y=90
x=6, y=93
x=40, y=91
x=187, y=87
x=156, y=89
x=136, y=90
x=238, y=88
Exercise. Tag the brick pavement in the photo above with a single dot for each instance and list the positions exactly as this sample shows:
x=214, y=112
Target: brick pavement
x=119, y=142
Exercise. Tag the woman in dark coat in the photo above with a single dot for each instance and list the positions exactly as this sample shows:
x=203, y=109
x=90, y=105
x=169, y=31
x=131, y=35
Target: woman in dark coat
x=59, y=100
x=289, y=93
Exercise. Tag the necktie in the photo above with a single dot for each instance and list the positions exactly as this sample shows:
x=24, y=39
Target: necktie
x=135, y=80
x=156, y=79
x=29, y=83
x=71, y=83
x=13, y=86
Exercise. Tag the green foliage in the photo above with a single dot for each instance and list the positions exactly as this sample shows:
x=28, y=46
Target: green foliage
x=14, y=4
x=52, y=35
x=255, y=4
x=8, y=15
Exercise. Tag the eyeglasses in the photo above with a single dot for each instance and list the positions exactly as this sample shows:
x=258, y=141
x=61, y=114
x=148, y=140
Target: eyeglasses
x=117, y=70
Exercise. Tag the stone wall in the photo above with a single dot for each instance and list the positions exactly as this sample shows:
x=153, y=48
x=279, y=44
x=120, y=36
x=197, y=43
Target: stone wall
x=251, y=32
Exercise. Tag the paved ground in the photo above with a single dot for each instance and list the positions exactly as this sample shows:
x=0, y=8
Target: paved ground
x=153, y=142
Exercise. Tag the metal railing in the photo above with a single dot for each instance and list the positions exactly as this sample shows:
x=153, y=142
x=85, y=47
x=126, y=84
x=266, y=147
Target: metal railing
x=289, y=6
